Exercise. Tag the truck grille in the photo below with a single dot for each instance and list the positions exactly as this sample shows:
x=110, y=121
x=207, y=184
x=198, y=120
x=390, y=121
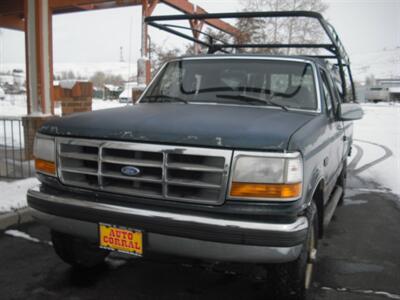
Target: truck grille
x=189, y=174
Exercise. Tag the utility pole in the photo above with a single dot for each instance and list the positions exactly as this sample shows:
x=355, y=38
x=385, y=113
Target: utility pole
x=121, y=54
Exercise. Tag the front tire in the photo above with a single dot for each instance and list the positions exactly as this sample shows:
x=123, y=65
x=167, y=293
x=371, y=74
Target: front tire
x=342, y=181
x=293, y=280
x=77, y=252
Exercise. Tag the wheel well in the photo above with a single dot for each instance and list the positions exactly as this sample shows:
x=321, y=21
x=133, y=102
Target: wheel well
x=318, y=198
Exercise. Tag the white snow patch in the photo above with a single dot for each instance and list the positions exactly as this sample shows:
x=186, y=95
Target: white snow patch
x=23, y=235
x=380, y=125
x=366, y=292
x=13, y=105
x=13, y=194
x=97, y=104
x=115, y=263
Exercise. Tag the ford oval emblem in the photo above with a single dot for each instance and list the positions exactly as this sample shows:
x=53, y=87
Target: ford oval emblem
x=130, y=171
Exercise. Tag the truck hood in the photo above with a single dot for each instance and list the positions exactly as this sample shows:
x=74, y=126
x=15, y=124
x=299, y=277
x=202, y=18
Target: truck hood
x=236, y=127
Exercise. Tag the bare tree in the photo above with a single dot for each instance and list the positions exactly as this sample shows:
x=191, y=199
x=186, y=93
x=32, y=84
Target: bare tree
x=217, y=36
x=100, y=78
x=370, y=80
x=160, y=55
x=65, y=75
x=281, y=30
x=260, y=30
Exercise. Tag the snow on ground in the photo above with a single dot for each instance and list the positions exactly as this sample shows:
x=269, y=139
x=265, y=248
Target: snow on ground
x=13, y=105
x=11, y=131
x=380, y=127
x=13, y=194
x=20, y=234
x=97, y=104
x=23, y=235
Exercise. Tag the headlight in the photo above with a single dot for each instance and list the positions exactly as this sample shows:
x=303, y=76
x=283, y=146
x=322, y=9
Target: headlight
x=266, y=176
x=44, y=151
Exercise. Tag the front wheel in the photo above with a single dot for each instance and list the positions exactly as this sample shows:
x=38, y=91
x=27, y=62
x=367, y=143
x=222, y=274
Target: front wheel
x=342, y=180
x=292, y=280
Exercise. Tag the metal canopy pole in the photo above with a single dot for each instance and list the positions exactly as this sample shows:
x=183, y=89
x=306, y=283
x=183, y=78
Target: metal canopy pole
x=38, y=46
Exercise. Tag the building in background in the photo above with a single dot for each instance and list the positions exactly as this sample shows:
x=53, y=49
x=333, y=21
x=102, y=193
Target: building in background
x=112, y=92
x=131, y=89
x=13, y=83
x=383, y=90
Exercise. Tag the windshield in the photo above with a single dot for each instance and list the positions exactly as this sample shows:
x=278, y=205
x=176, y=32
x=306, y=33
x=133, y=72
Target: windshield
x=286, y=84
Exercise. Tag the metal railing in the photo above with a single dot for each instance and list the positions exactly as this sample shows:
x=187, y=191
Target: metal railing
x=15, y=158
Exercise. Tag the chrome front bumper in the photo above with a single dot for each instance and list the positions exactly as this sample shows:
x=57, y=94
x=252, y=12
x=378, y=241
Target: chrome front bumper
x=173, y=233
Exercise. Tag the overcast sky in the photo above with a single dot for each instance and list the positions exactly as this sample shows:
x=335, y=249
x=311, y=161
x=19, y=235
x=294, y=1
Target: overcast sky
x=364, y=26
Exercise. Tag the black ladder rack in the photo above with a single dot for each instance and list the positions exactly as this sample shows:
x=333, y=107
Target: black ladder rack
x=335, y=46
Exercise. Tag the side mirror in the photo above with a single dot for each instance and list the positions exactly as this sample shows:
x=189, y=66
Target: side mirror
x=350, y=112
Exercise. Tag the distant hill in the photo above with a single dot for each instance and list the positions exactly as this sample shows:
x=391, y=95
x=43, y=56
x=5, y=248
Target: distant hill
x=380, y=64
x=85, y=70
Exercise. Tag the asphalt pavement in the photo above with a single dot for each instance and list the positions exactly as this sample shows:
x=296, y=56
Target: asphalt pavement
x=359, y=258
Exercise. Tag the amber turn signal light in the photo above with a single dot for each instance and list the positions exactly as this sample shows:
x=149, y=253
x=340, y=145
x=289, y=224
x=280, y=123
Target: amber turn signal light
x=262, y=190
x=45, y=166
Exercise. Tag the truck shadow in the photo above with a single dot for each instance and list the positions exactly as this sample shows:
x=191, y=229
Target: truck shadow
x=169, y=278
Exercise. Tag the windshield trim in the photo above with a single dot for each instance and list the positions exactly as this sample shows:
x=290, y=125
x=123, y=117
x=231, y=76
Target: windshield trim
x=253, y=106
x=291, y=59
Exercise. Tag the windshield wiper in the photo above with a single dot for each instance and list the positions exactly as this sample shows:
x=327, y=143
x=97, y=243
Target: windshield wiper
x=169, y=98
x=250, y=99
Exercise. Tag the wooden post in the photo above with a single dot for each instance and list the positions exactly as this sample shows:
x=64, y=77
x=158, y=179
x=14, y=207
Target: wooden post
x=38, y=44
x=148, y=7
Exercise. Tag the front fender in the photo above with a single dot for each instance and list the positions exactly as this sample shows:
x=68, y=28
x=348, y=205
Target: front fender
x=313, y=183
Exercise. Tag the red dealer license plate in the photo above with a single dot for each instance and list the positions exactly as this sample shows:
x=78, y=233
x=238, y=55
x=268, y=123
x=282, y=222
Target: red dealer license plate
x=120, y=239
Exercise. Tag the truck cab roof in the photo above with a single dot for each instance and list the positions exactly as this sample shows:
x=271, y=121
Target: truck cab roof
x=316, y=60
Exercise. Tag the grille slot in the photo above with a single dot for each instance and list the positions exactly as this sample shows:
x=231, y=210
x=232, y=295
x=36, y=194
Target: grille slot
x=166, y=172
x=195, y=178
x=130, y=187
x=137, y=158
x=192, y=193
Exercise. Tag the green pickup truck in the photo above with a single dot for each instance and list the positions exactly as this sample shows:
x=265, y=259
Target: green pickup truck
x=225, y=157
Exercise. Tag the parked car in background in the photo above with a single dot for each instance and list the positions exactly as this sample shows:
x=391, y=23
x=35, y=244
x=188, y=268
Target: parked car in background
x=2, y=94
x=125, y=96
x=377, y=94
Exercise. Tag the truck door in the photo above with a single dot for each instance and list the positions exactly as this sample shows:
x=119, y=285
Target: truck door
x=347, y=126
x=335, y=132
